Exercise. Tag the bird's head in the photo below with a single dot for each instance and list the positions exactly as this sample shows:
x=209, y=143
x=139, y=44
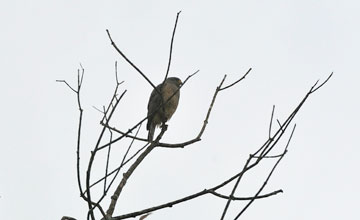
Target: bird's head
x=175, y=81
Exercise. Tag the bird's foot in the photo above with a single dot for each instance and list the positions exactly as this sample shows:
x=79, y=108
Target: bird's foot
x=163, y=125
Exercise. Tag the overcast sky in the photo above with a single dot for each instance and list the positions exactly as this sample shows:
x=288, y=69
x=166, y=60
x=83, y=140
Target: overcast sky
x=289, y=45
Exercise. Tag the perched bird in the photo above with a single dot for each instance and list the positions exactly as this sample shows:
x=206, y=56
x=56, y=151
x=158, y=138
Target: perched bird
x=158, y=115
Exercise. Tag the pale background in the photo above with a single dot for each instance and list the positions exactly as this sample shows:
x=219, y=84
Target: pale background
x=289, y=45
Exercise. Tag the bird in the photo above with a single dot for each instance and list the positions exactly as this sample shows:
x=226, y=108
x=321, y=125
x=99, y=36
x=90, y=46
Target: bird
x=158, y=114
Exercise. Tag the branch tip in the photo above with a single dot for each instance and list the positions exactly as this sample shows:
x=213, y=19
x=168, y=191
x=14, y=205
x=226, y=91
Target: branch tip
x=313, y=89
x=237, y=81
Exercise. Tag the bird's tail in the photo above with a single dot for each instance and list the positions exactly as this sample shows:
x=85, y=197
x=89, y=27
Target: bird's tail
x=151, y=132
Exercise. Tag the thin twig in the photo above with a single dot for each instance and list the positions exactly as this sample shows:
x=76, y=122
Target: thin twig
x=271, y=120
x=277, y=120
x=171, y=46
x=234, y=188
x=107, y=162
x=269, y=157
x=63, y=81
x=243, y=77
x=79, y=84
x=291, y=135
x=116, y=74
x=327, y=79
x=246, y=198
x=118, y=168
x=128, y=149
x=78, y=144
x=124, y=133
x=131, y=63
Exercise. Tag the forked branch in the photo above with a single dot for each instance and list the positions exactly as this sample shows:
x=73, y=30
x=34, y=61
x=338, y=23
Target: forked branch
x=263, y=152
x=265, y=149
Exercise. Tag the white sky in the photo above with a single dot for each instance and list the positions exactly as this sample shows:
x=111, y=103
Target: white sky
x=289, y=45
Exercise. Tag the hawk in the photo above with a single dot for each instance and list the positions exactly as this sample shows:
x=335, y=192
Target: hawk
x=156, y=114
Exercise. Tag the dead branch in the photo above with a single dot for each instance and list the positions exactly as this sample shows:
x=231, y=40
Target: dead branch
x=269, y=175
x=246, y=198
x=263, y=152
x=128, y=173
x=171, y=46
x=131, y=63
x=116, y=171
x=237, y=81
x=265, y=149
x=198, y=137
x=77, y=91
x=110, y=110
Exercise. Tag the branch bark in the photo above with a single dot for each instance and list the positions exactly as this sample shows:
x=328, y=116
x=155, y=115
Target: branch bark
x=128, y=173
x=263, y=152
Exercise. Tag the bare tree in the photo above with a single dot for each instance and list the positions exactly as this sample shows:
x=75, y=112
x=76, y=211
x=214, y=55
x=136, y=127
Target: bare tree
x=264, y=152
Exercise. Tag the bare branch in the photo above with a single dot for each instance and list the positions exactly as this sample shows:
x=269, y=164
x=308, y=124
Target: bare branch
x=265, y=151
x=124, y=133
x=190, y=197
x=243, y=77
x=171, y=46
x=291, y=135
x=112, y=181
x=123, y=162
x=117, y=169
x=234, y=188
x=279, y=123
x=267, y=179
x=271, y=120
x=131, y=63
x=269, y=157
x=96, y=205
x=82, y=75
x=198, y=137
x=67, y=218
x=131, y=169
x=266, y=148
x=246, y=198
x=316, y=88
x=116, y=74
x=93, y=153
x=99, y=110
x=63, y=81
x=127, y=151
x=107, y=162
x=79, y=84
x=79, y=135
